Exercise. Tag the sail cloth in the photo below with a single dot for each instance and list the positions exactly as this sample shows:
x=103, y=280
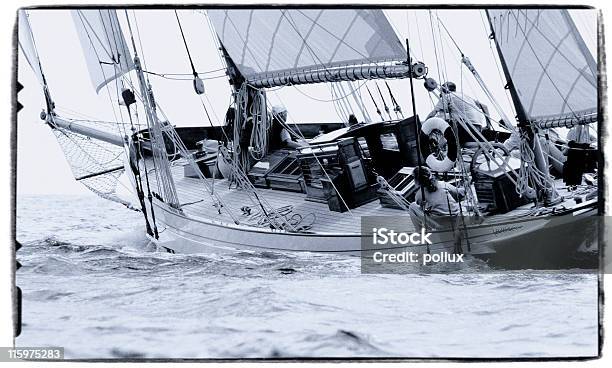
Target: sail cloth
x=550, y=67
x=106, y=52
x=27, y=45
x=270, y=45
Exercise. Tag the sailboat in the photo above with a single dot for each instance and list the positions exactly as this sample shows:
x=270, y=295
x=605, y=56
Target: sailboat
x=230, y=186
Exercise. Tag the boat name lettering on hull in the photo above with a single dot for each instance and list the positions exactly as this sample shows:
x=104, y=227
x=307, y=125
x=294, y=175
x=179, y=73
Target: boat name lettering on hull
x=505, y=229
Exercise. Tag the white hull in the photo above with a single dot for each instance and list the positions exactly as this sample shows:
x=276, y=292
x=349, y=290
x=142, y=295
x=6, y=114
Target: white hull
x=181, y=233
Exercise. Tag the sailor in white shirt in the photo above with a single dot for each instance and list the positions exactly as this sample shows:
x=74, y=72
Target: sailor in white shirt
x=581, y=134
x=281, y=137
x=461, y=108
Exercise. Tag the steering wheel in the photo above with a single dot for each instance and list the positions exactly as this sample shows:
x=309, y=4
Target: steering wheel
x=491, y=160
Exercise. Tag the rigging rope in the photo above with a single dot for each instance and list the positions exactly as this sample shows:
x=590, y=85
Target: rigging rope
x=198, y=85
x=128, y=100
x=85, y=154
x=396, y=107
x=156, y=132
x=393, y=194
x=276, y=220
x=541, y=63
x=285, y=215
x=489, y=32
x=193, y=69
x=348, y=108
x=299, y=135
x=375, y=104
x=356, y=92
x=166, y=76
x=320, y=99
x=261, y=126
x=418, y=136
x=384, y=102
x=449, y=34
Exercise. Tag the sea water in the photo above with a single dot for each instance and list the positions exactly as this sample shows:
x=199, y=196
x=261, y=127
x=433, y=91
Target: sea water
x=93, y=284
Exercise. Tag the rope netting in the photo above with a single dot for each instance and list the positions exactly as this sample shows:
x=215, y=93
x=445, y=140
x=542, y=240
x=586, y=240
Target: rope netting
x=94, y=163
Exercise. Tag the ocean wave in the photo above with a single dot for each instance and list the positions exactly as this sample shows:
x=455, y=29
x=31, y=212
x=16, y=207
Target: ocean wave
x=94, y=283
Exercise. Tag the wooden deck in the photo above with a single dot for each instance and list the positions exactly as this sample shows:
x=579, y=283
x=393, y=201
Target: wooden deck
x=196, y=201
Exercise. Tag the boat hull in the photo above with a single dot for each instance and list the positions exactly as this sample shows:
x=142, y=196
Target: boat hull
x=564, y=240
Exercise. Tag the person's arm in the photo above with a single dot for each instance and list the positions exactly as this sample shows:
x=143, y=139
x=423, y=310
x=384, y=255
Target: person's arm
x=513, y=142
x=285, y=137
x=417, y=197
x=456, y=193
x=592, y=138
x=431, y=114
x=439, y=107
x=290, y=143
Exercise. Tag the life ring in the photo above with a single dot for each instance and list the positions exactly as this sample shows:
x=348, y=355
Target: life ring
x=438, y=144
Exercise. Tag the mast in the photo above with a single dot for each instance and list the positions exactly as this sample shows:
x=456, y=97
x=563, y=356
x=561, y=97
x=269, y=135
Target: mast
x=418, y=134
x=235, y=77
x=158, y=148
x=521, y=116
x=244, y=98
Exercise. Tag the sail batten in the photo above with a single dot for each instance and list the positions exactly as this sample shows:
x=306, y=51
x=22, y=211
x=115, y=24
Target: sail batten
x=548, y=64
x=106, y=52
x=266, y=44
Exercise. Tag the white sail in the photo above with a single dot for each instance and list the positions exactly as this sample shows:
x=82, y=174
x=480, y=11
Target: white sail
x=269, y=43
x=27, y=45
x=552, y=70
x=106, y=52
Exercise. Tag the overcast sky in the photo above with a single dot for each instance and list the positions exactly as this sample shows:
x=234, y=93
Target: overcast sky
x=41, y=164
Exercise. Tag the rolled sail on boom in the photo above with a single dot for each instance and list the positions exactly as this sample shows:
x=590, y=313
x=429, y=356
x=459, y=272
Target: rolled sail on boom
x=106, y=52
x=276, y=47
x=552, y=72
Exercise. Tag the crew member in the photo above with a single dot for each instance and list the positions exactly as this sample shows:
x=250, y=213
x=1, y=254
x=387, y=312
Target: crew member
x=460, y=109
x=581, y=152
x=581, y=134
x=440, y=198
x=279, y=134
x=550, y=147
x=440, y=201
